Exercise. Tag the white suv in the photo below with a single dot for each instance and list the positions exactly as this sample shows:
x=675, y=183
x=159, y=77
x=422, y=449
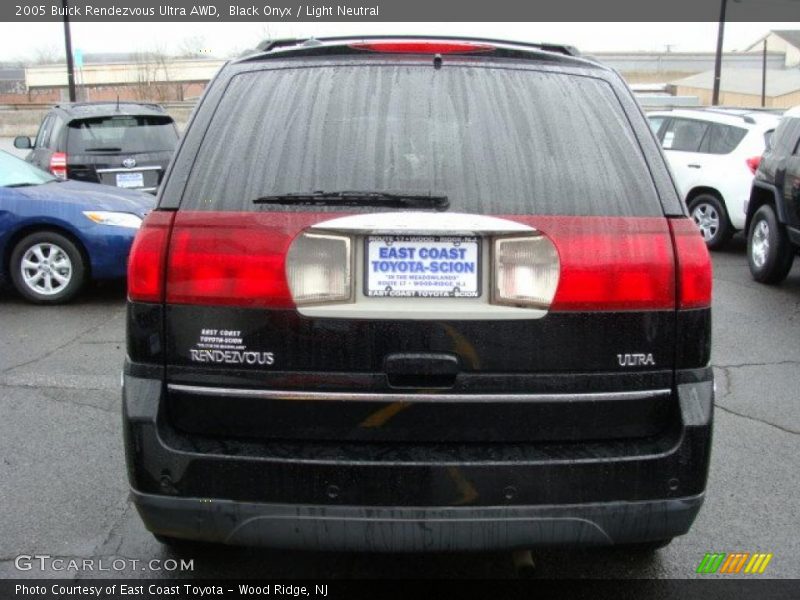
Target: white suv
x=714, y=153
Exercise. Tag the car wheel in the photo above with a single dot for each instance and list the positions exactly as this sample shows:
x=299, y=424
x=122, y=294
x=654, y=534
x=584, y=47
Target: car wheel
x=769, y=251
x=47, y=268
x=709, y=213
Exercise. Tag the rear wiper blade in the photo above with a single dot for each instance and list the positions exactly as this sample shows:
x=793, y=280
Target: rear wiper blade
x=110, y=149
x=358, y=198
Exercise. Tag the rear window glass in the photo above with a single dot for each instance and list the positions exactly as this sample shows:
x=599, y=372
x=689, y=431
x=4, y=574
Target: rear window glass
x=684, y=135
x=656, y=123
x=722, y=139
x=43, y=137
x=122, y=133
x=493, y=140
x=786, y=136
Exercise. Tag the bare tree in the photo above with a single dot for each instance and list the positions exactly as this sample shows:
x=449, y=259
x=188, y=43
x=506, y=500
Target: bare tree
x=47, y=55
x=153, y=77
x=192, y=46
x=263, y=34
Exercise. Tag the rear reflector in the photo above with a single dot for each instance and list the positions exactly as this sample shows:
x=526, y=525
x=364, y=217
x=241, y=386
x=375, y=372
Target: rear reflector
x=752, y=163
x=526, y=271
x=694, y=265
x=58, y=165
x=147, y=258
x=423, y=47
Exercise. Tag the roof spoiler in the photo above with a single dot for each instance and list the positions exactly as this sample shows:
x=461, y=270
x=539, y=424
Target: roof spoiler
x=115, y=103
x=268, y=45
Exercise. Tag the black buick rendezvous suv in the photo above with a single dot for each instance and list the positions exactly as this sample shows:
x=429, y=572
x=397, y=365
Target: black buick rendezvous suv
x=416, y=294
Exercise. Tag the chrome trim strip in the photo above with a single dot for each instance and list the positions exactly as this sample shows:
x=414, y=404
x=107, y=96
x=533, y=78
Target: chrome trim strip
x=411, y=396
x=422, y=223
x=125, y=170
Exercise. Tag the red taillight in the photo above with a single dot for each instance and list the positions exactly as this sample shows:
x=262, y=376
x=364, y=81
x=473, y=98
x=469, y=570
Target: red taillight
x=423, y=47
x=147, y=258
x=58, y=165
x=694, y=265
x=606, y=263
x=752, y=163
x=230, y=259
x=611, y=263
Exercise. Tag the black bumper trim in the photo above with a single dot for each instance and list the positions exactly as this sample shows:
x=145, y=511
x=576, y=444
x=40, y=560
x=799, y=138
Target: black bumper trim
x=415, y=529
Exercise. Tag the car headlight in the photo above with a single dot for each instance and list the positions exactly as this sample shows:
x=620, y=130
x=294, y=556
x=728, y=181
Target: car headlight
x=117, y=219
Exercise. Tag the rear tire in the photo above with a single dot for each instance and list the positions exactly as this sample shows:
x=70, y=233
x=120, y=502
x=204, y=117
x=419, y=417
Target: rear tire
x=47, y=268
x=711, y=217
x=769, y=252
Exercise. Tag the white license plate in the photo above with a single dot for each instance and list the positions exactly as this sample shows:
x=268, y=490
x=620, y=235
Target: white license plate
x=402, y=266
x=130, y=180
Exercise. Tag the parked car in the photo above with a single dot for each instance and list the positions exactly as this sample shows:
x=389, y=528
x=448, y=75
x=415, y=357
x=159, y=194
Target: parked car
x=714, y=154
x=55, y=235
x=125, y=144
x=418, y=294
x=773, y=209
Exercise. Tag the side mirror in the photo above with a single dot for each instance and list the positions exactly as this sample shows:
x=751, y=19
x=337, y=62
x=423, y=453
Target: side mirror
x=23, y=142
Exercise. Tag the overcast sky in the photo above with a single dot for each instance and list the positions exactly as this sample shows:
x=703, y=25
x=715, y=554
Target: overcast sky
x=21, y=40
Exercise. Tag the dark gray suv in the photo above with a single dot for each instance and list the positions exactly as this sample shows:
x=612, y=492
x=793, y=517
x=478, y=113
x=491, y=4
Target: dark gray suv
x=773, y=211
x=124, y=144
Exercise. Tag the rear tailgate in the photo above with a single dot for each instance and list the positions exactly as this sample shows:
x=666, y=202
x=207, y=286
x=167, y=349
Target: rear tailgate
x=141, y=171
x=243, y=361
x=121, y=149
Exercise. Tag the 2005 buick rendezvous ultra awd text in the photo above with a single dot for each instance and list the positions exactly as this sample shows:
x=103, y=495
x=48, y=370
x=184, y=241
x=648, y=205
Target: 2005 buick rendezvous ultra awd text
x=415, y=294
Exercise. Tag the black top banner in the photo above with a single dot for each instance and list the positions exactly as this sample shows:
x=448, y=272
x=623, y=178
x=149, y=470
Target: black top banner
x=399, y=10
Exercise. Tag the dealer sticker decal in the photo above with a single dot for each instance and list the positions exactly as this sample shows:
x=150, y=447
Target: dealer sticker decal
x=226, y=346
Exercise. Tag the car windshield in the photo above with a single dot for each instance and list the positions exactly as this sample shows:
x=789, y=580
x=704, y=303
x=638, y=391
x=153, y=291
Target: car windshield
x=122, y=133
x=15, y=172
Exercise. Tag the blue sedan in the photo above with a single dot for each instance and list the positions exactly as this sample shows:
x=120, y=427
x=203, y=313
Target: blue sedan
x=55, y=235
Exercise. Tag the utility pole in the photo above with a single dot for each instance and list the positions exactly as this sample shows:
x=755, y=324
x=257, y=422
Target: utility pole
x=68, y=47
x=764, y=76
x=718, y=58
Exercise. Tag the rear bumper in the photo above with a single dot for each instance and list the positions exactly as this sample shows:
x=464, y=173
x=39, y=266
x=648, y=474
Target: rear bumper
x=407, y=497
x=392, y=529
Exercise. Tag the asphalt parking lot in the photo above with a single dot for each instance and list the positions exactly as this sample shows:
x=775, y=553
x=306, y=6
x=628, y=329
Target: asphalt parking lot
x=64, y=493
